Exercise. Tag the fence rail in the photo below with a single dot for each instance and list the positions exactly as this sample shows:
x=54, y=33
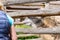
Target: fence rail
x=34, y=13
x=29, y=13
x=55, y=30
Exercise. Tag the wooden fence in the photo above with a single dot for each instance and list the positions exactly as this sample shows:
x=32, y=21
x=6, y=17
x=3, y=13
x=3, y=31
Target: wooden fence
x=34, y=13
x=54, y=30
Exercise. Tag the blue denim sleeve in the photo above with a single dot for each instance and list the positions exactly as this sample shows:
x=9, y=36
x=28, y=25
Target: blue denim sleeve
x=10, y=20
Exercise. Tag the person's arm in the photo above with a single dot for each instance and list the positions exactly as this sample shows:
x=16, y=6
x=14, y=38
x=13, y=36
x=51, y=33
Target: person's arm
x=13, y=33
x=12, y=28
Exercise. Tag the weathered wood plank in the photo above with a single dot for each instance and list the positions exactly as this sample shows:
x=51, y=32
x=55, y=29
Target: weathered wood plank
x=30, y=4
x=55, y=30
x=21, y=1
x=29, y=13
x=35, y=4
x=54, y=2
x=14, y=6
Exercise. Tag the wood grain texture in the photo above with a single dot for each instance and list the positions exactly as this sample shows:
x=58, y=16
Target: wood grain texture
x=55, y=30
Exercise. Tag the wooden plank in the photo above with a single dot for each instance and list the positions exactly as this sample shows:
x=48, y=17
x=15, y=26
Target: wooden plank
x=55, y=30
x=31, y=4
x=54, y=2
x=34, y=4
x=29, y=13
x=34, y=15
x=14, y=6
x=21, y=1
